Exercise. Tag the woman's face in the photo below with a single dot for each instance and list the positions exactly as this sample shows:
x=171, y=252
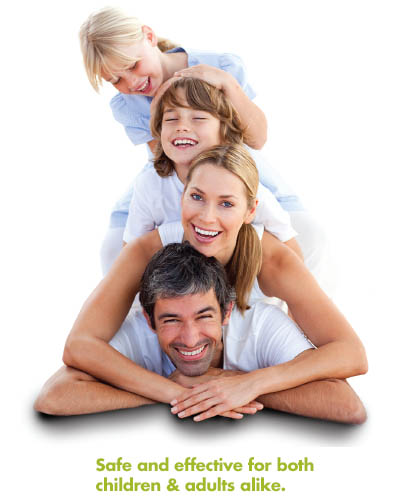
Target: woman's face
x=214, y=207
x=146, y=75
x=186, y=132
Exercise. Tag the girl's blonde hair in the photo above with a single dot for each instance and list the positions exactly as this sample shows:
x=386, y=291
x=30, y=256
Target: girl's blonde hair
x=245, y=263
x=101, y=33
x=201, y=96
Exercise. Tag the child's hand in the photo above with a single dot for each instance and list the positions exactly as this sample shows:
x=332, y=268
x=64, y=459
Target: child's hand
x=160, y=93
x=214, y=76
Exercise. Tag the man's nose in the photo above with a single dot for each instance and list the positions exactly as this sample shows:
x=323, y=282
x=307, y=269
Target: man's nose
x=189, y=335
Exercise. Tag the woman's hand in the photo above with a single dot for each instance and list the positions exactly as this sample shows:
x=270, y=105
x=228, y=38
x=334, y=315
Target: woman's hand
x=217, y=397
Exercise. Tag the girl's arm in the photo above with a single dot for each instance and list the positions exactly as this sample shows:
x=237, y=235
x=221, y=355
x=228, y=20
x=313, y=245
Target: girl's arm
x=251, y=116
x=87, y=347
x=283, y=275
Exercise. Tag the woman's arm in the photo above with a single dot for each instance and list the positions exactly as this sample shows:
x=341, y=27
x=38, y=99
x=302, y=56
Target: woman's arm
x=87, y=347
x=283, y=275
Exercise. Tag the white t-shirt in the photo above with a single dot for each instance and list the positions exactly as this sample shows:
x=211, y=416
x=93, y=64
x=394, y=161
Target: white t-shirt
x=263, y=337
x=157, y=200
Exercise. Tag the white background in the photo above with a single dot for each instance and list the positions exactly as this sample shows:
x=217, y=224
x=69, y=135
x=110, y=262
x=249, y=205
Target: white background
x=327, y=76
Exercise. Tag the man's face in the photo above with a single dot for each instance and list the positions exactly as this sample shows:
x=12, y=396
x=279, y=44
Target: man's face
x=189, y=331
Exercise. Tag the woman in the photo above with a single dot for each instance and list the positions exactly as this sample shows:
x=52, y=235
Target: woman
x=230, y=238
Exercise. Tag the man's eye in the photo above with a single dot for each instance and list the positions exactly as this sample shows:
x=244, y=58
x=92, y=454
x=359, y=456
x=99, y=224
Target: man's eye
x=204, y=317
x=227, y=204
x=170, y=320
x=196, y=196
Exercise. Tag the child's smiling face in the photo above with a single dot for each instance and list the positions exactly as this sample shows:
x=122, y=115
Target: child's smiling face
x=186, y=132
x=145, y=75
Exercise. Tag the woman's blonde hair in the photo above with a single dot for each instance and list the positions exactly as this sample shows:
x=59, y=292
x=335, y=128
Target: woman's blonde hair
x=100, y=35
x=198, y=95
x=245, y=263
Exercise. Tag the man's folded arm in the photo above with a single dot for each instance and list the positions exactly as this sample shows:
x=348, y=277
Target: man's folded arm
x=70, y=391
x=329, y=399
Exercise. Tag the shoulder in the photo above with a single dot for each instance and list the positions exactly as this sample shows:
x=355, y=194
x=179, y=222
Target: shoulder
x=230, y=63
x=171, y=232
x=222, y=60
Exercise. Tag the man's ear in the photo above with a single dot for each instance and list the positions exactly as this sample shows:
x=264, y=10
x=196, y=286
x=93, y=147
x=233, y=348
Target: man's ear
x=251, y=213
x=146, y=316
x=149, y=35
x=228, y=313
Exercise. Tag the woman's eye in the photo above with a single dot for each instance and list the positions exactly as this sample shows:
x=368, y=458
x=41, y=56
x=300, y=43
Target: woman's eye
x=133, y=67
x=226, y=204
x=195, y=196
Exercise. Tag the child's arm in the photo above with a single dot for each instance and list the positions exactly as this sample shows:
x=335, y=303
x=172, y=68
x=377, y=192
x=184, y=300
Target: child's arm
x=251, y=115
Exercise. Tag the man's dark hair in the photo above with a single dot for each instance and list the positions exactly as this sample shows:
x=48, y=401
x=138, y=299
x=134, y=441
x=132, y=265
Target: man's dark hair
x=180, y=270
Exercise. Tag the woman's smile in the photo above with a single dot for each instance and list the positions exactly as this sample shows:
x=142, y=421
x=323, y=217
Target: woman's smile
x=214, y=208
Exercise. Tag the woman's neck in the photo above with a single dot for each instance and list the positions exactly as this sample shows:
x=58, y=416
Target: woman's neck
x=172, y=62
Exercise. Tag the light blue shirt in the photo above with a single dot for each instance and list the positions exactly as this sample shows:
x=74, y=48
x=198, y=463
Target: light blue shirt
x=133, y=112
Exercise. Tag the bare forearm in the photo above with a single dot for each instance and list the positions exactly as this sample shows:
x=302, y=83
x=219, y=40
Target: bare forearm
x=331, y=399
x=283, y=275
x=102, y=361
x=251, y=116
x=70, y=392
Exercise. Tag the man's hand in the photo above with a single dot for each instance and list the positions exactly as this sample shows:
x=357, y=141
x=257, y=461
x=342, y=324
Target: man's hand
x=219, y=396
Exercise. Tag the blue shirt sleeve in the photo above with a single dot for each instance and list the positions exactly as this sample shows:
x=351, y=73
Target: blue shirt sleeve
x=234, y=65
x=133, y=112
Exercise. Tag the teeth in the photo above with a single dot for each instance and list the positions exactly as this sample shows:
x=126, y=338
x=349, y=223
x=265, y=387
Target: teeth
x=207, y=233
x=192, y=353
x=177, y=142
x=143, y=86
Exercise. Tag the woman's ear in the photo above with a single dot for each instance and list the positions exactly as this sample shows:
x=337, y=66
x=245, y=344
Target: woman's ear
x=149, y=35
x=251, y=213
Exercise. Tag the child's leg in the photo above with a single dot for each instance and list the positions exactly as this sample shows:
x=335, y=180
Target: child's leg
x=112, y=243
x=315, y=247
x=111, y=247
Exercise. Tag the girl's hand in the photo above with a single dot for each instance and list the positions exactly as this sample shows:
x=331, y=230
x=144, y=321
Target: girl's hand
x=163, y=87
x=214, y=76
x=217, y=397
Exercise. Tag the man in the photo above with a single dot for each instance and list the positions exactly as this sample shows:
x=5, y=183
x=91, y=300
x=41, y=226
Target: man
x=179, y=342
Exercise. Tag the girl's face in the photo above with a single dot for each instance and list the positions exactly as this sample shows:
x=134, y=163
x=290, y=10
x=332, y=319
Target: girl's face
x=186, y=132
x=143, y=77
x=214, y=207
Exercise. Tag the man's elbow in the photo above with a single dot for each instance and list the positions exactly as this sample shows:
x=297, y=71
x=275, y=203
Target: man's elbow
x=347, y=406
x=355, y=412
x=48, y=402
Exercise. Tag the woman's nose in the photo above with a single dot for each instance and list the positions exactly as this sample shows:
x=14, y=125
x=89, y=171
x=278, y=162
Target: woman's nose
x=208, y=213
